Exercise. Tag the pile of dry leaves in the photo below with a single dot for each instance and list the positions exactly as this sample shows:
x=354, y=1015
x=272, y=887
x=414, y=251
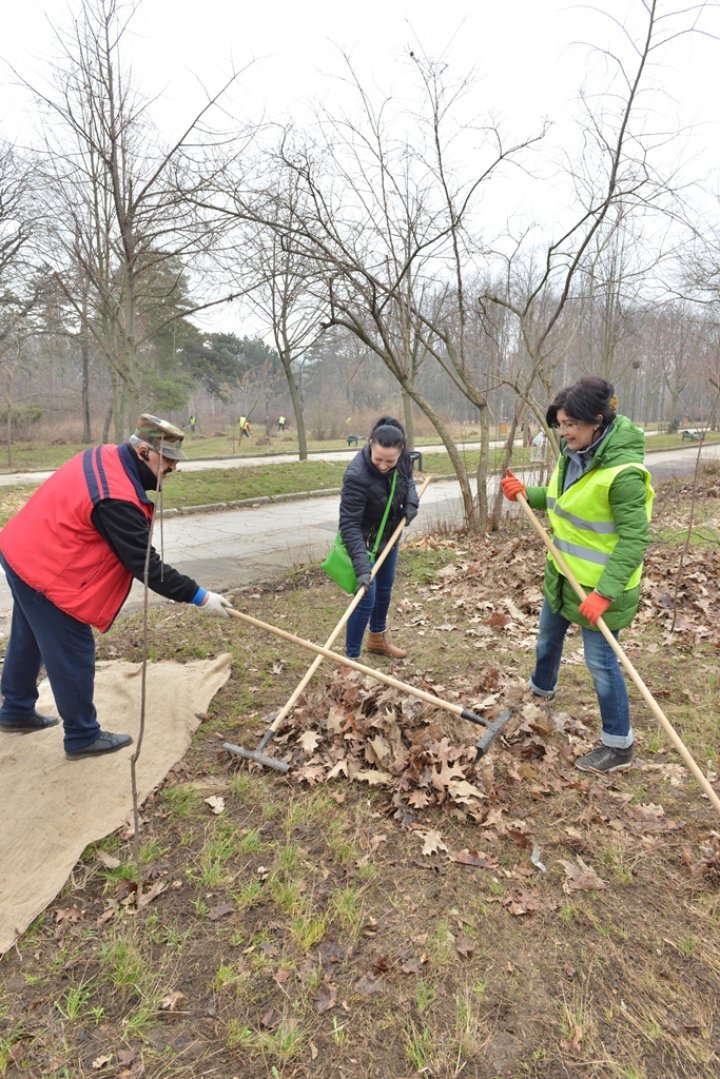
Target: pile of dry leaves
x=353, y=728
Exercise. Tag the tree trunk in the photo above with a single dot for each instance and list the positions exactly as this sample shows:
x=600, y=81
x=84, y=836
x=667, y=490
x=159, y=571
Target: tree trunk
x=85, y=360
x=409, y=422
x=296, y=397
x=106, y=424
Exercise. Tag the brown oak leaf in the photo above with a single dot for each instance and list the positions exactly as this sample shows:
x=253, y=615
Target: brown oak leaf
x=464, y=946
x=309, y=741
x=580, y=877
x=325, y=998
x=474, y=858
x=432, y=842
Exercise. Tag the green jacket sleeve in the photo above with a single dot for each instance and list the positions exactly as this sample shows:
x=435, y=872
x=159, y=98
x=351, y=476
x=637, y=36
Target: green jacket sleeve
x=627, y=501
x=536, y=497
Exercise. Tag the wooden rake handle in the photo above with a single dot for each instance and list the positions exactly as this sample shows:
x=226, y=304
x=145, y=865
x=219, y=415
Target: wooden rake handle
x=345, y=661
x=357, y=598
x=624, y=660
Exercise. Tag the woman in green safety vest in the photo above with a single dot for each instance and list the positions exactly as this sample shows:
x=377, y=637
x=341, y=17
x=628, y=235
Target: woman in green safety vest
x=598, y=501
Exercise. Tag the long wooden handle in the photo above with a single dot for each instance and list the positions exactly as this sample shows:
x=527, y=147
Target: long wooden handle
x=357, y=598
x=345, y=661
x=645, y=692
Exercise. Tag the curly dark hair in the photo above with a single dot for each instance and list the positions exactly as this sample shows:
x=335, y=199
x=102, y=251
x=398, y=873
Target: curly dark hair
x=585, y=400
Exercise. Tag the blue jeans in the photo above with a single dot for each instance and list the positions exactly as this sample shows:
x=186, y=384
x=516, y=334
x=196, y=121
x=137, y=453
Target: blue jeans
x=374, y=606
x=42, y=634
x=604, y=669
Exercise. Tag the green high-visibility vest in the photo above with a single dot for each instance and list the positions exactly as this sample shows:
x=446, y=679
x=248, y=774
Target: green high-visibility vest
x=582, y=523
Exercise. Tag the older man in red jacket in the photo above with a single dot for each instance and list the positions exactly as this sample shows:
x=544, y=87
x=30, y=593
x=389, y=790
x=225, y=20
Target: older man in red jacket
x=70, y=556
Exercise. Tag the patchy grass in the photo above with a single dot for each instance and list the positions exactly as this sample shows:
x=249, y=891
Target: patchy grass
x=334, y=928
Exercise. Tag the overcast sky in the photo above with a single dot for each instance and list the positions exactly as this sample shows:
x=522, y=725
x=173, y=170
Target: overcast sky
x=522, y=50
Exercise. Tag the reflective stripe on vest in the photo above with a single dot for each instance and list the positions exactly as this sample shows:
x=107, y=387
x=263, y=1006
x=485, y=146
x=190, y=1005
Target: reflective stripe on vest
x=583, y=528
x=606, y=527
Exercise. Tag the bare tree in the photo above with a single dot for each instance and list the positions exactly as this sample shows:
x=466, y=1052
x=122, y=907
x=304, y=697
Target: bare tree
x=383, y=223
x=614, y=181
x=699, y=291
x=280, y=285
x=18, y=286
x=394, y=232
x=114, y=193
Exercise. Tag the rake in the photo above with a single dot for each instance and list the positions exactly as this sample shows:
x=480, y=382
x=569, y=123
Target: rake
x=257, y=754
x=624, y=660
x=492, y=727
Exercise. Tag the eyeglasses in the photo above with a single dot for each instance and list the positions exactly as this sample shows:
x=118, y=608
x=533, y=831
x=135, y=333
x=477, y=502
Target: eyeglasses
x=568, y=426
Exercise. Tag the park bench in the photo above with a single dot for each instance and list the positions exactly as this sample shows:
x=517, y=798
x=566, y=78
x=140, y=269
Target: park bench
x=689, y=435
x=354, y=440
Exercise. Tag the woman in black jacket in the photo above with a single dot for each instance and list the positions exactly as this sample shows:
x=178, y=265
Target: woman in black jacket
x=366, y=488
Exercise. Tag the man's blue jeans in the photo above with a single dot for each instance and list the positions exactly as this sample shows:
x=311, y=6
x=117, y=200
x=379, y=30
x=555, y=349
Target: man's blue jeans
x=604, y=669
x=374, y=606
x=42, y=634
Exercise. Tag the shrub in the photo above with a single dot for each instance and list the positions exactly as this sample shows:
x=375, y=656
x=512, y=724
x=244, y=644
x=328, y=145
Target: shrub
x=21, y=417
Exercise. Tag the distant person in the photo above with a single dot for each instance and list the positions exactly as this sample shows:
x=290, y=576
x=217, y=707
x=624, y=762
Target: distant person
x=244, y=427
x=281, y=423
x=192, y=423
x=70, y=556
x=538, y=446
x=598, y=501
x=365, y=491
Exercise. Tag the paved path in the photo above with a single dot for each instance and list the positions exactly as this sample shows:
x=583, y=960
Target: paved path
x=236, y=547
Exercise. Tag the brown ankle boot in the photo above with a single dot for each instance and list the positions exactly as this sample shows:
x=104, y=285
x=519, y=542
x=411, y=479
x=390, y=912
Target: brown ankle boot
x=379, y=643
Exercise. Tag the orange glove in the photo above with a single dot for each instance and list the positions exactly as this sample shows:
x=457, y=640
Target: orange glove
x=594, y=606
x=512, y=486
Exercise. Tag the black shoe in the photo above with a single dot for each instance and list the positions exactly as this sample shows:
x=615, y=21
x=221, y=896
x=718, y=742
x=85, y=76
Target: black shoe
x=26, y=724
x=605, y=759
x=104, y=743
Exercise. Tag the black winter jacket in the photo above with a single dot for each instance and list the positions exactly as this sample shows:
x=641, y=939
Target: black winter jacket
x=364, y=495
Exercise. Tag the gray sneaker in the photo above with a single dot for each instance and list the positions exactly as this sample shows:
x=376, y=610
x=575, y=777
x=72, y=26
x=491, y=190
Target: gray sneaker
x=605, y=759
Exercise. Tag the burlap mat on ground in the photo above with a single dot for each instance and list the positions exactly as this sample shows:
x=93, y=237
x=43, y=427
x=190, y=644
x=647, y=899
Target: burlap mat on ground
x=52, y=807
